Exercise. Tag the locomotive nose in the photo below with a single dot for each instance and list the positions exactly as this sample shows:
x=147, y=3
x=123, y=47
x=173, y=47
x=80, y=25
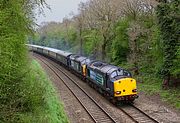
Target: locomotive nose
x=125, y=86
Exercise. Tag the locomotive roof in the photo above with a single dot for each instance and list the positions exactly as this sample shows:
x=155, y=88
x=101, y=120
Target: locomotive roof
x=74, y=56
x=79, y=58
x=103, y=67
x=87, y=61
x=97, y=64
x=109, y=69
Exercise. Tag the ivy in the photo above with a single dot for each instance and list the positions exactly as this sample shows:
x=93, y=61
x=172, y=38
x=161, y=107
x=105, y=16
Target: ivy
x=169, y=23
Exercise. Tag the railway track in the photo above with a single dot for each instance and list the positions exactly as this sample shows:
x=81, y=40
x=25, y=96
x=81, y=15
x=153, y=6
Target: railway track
x=96, y=112
x=92, y=107
x=137, y=115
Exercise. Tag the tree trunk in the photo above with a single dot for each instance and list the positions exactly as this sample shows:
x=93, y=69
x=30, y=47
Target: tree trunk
x=103, y=52
x=103, y=48
x=165, y=84
x=81, y=41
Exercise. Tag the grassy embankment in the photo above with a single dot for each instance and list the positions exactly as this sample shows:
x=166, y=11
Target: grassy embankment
x=153, y=86
x=42, y=97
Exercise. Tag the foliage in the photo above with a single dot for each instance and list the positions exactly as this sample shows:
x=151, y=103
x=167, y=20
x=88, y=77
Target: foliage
x=138, y=47
x=40, y=105
x=12, y=57
x=168, y=19
x=20, y=98
x=120, y=47
x=37, y=106
x=150, y=54
x=91, y=41
x=55, y=35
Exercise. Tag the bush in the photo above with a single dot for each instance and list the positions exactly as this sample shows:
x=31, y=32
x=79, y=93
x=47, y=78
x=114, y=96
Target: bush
x=41, y=104
x=38, y=102
x=120, y=46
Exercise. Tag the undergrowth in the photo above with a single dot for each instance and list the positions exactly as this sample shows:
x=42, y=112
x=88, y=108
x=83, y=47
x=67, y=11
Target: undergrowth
x=42, y=97
x=38, y=101
x=153, y=86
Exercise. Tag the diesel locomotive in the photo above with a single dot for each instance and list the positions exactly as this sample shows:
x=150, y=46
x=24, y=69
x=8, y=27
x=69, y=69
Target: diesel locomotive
x=113, y=82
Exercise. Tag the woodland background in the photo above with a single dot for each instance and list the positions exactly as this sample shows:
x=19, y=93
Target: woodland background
x=140, y=35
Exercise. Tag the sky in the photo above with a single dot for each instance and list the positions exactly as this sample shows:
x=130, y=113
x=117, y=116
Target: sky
x=59, y=10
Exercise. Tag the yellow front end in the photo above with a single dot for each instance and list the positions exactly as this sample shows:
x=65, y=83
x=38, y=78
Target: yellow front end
x=124, y=87
x=84, y=70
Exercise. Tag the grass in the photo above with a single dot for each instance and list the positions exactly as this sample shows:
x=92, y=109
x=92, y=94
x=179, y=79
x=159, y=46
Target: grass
x=152, y=85
x=40, y=102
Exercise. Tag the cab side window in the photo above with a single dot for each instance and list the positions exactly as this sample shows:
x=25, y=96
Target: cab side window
x=127, y=74
x=120, y=72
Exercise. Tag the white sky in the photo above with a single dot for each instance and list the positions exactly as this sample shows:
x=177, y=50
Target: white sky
x=59, y=10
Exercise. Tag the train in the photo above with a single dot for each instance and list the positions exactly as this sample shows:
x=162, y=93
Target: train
x=115, y=83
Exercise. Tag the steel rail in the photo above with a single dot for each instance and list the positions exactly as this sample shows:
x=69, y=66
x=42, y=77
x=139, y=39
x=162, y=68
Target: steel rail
x=108, y=115
x=155, y=121
x=123, y=110
x=146, y=117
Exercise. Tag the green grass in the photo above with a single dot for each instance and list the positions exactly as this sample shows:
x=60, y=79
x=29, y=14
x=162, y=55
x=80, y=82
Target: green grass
x=41, y=104
x=152, y=85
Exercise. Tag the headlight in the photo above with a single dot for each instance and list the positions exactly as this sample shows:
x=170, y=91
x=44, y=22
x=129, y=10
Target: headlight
x=134, y=90
x=118, y=92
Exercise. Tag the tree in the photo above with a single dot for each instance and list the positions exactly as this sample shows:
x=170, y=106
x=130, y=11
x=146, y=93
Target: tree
x=135, y=8
x=80, y=24
x=101, y=16
x=140, y=14
x=168, y=20
x=16, y=21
